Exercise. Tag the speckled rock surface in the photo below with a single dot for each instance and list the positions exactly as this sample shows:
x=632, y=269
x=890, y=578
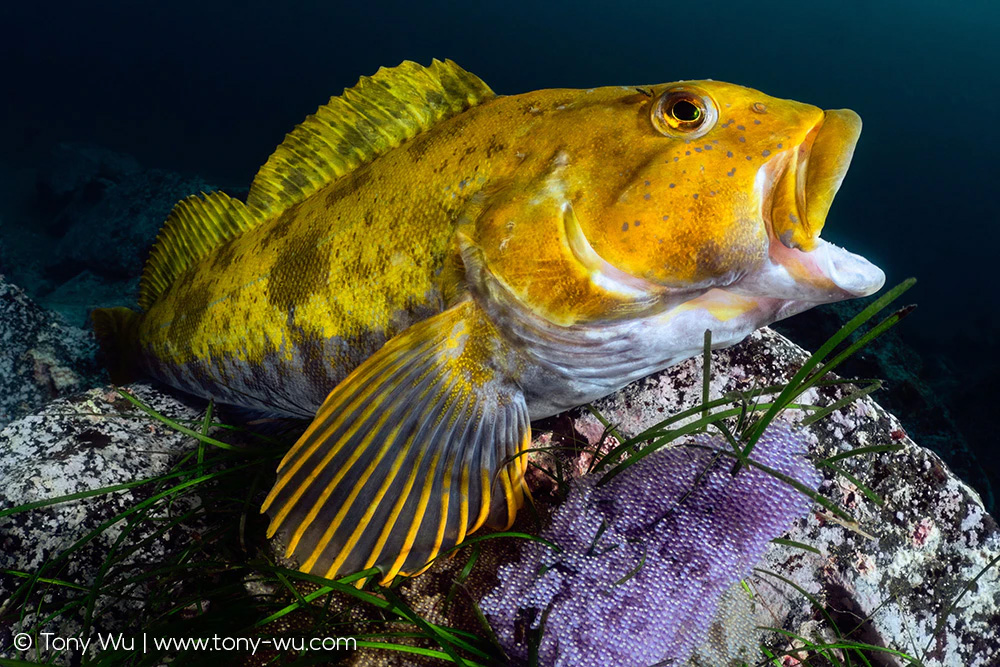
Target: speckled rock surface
x=931, y=396
x=41, y=357
x=89, y=441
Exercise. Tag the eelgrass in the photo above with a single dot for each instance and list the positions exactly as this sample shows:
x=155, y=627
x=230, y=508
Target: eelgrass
x=203, y=588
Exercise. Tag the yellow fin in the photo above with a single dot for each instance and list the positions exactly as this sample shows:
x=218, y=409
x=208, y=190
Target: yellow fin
x=414, y=450
x=368, y=120
x=195, y=227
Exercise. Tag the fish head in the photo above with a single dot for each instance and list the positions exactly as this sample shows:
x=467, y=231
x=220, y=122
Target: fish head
x=730, y=188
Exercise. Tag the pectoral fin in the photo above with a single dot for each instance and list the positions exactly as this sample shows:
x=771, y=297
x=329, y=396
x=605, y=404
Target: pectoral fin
x=408, y=455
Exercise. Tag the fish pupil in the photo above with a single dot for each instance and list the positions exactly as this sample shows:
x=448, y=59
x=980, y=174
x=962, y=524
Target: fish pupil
x=685, y=111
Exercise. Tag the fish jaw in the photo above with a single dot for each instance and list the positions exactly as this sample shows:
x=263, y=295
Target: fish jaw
x=796, y=190
x=809, y=179
x=826, y=274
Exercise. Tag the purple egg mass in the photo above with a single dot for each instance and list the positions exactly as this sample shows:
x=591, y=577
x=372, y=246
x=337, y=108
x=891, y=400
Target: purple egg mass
x=679, y=523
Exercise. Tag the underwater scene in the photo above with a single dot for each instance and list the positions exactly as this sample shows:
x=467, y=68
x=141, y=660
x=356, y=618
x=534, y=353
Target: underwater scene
x=552, y=334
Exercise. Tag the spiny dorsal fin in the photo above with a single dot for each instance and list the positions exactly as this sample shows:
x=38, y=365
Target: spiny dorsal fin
x=195, y=227
x=368, y=120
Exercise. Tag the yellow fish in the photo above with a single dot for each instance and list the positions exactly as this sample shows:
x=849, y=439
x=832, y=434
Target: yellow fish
x=424, y=267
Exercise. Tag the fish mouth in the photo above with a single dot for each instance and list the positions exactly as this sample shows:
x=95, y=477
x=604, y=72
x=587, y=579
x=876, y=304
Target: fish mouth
x=801, y=266
x=811, y=178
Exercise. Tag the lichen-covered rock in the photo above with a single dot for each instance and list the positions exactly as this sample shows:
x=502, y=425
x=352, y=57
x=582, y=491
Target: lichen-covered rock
x=41, y=357
x=933, y=397
x=90, y=441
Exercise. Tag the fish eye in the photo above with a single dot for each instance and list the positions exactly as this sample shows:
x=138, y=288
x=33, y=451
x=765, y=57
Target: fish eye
x=683, y=112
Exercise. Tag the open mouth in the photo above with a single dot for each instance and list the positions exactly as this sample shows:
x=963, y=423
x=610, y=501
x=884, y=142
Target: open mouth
x=801, y=265
x=811, y=178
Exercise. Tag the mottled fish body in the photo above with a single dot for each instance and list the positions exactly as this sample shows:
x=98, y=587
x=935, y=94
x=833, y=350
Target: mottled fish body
x=423, y=268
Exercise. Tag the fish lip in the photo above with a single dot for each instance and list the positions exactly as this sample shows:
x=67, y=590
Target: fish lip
x=769, y=175
x=808, y=179
x=801, y=171
x=850, y=275
x=786, y=205
x=826, y=274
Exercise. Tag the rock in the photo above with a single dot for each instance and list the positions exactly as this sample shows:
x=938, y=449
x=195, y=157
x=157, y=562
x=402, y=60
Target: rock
x=93, y=220
x=935, y=400
x=41, y=357
x=111, y=230
x=72, y=167
x=914, y=573
x=90, y=441
x=22, y=253
x=75, y=298
x=965, y=375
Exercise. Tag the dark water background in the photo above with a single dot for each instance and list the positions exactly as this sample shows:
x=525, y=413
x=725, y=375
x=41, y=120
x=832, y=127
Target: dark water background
x=209, y=88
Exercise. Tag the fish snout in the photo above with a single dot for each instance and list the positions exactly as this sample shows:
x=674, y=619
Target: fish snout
x=799, y=187
x=811, y=177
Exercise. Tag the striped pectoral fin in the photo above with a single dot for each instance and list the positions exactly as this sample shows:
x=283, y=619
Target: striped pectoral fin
x=413, y=451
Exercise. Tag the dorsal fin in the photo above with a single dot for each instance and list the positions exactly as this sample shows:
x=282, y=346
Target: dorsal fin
x=368, y=120
x=195, y=226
